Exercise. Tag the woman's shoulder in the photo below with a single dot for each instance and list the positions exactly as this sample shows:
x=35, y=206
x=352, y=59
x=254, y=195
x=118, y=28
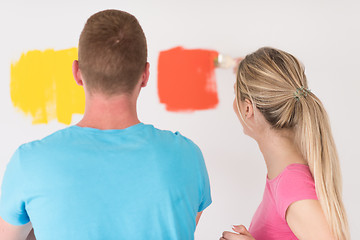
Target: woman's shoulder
x=297, y=170
x=295, y=183
x=294, y=178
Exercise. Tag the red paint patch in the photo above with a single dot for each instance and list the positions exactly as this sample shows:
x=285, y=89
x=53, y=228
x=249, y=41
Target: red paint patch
x=186, y=79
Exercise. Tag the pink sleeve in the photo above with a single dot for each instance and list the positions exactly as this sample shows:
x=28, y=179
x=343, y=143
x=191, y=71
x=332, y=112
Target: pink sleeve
x=295, y=184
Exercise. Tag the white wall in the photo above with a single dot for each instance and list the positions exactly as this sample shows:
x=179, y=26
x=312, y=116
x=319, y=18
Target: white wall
x=324, y=35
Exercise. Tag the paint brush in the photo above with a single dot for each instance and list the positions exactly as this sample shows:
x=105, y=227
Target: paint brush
x=225, y=61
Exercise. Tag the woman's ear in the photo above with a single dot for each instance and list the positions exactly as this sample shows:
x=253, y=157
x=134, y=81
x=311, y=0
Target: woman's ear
x=248, y=109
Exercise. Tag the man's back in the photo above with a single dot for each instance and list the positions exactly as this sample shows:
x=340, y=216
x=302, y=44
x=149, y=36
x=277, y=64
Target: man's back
x=86, y=183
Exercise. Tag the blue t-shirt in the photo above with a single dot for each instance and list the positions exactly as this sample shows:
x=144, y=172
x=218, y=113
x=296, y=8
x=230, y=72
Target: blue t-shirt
x=85, y=183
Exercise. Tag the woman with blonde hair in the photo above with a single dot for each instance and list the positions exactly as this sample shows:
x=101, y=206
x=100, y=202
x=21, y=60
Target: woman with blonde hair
x=302, y=198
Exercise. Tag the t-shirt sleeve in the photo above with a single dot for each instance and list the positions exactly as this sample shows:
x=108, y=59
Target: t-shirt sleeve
x=206, y=192
x=294, y=185
x=12, y=204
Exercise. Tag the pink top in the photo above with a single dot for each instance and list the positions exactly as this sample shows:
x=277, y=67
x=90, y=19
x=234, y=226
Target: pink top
x=293, y=184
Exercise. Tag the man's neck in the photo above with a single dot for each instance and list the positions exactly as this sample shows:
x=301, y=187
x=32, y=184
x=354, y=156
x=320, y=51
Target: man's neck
x=103, y=112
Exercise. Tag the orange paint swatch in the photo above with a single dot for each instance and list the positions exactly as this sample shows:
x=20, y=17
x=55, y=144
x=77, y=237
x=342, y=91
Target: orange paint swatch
x=42, y=86
x=186, y=79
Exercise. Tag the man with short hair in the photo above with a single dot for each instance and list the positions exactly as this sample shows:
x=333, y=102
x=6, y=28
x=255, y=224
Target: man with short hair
x=110, y=176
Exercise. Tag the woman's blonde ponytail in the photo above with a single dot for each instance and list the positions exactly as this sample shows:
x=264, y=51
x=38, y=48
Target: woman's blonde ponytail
x=318, y=148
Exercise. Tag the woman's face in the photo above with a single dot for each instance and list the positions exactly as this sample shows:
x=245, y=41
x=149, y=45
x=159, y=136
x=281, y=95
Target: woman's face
x=236, y=110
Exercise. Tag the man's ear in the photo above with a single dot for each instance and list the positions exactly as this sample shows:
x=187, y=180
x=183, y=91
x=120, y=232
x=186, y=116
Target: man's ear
x=145, y=75
x=76, y=73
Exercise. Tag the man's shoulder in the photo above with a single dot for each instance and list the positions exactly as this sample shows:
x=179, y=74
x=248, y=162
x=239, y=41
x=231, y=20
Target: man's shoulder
x=53, y=138
x=174, y=135
x=175, y=139
x=35, y=152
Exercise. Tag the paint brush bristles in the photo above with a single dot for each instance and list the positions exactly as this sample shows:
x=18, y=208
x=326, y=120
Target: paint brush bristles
x=224, y=61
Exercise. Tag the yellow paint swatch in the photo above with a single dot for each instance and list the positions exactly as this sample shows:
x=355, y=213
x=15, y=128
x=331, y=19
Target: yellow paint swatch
x=42, y=85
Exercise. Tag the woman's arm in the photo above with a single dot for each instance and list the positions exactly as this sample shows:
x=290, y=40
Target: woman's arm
x=307, y=220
